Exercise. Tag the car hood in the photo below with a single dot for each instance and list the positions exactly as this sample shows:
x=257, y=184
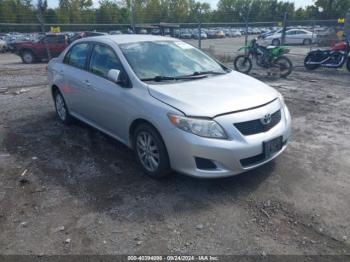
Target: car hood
x=214, y=95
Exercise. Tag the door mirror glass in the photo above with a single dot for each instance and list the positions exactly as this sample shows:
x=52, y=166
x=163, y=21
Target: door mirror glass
x=114, y=76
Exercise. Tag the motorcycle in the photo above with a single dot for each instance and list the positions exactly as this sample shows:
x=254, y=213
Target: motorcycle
x=331, y=58
x=271, y=57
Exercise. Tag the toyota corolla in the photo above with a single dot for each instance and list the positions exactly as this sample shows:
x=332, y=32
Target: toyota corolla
x=176, y=107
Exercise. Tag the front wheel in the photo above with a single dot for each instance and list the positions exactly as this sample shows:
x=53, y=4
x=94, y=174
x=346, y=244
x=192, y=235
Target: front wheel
x=284, y=65
x=276, y=42
x=243, y=64
x=150, y=151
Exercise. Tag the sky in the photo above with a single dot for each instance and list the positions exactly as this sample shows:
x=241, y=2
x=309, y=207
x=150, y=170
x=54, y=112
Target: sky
x=213, y=3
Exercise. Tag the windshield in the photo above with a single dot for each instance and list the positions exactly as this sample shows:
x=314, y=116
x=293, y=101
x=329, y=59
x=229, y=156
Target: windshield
x=167, y=58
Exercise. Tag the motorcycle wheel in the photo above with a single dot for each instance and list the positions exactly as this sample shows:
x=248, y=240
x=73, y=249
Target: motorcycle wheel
x=243, y=64
x=348, y=64
x=309, y=58
x=285, y=66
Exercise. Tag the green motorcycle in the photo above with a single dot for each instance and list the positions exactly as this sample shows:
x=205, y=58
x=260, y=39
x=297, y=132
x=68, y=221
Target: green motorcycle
x=271, y=58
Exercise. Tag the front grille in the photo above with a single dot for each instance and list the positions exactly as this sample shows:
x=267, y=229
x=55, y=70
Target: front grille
x=253, y=127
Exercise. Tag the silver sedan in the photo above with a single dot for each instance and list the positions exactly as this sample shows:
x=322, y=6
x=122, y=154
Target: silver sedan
x=175, y=106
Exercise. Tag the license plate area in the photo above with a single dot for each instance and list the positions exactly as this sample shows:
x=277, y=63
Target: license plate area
x=271, y=147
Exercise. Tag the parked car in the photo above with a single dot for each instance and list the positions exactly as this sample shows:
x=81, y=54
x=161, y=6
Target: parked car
x=78, y=35
x=219, y=34
x=235, y=33
x=115, y=32
x=32, y=51
x=293, y=36
x=185, y=34
x=272, y=32
x=143, y=32
x=3, y=46
x=176, y=107
x=195, y=34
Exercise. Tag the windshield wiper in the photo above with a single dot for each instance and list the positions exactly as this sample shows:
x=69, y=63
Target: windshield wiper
x=158, y=78
x=200, y=73
x=169, y=78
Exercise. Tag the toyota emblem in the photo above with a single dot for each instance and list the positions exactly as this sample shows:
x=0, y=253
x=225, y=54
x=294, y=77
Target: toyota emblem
x=266, y=119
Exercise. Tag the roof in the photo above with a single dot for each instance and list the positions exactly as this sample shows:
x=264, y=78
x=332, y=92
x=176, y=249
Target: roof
x=125, y=38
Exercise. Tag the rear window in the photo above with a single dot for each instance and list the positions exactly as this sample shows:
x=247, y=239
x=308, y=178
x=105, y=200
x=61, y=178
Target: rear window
x=77, y=55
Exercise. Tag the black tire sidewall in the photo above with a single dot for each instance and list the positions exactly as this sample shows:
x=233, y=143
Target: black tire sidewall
x=307, y=42
x=289, y=62
x=164, y=165
x=248, y=60
x=30, y=53
x=277, y=41
x=68, y=119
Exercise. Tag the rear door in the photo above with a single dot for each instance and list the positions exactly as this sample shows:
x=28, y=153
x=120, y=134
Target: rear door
x=291, y=37
x=74, y=72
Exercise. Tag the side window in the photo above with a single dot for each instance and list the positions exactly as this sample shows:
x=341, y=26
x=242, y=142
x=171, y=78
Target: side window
x=51, y=39
x=77, y=55
x=291, y=33
x=102, y=60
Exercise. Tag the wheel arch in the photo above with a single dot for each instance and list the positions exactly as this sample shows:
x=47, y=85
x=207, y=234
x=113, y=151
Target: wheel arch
x=137, y=122
x=54, y=88
x=26, y=49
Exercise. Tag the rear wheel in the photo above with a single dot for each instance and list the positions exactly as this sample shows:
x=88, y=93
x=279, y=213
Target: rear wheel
x=284, y=65
x=310, y=58
x=243, y=64
x=28, y=57
x=61, y=108
x=276, y=42
x=150, y=151
x=307, y=42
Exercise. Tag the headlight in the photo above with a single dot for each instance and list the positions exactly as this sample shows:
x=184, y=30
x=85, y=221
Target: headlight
x=198, y=126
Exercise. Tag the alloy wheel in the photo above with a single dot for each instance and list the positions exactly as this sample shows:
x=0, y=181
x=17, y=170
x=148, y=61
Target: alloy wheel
x=60, y=107
x=148, y=151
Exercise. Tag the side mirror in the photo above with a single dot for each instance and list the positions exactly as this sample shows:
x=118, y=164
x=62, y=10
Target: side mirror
x=114, y=76
x=118, y=77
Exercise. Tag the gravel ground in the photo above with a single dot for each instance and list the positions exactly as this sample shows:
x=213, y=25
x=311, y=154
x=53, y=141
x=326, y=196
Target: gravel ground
x=73, y=190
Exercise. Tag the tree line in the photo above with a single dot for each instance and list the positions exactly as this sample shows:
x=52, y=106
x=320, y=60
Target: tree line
x=172, y=11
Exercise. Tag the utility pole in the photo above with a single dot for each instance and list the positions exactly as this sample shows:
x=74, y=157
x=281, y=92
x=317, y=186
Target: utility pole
x=285, y=21
x=246, y=20
x=132, y=11
x=41, y=8
x=200, y=29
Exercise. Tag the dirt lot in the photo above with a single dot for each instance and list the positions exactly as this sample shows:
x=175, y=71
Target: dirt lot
x=73, y=190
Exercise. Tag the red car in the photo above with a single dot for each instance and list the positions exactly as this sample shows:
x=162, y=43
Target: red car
x=35, y=51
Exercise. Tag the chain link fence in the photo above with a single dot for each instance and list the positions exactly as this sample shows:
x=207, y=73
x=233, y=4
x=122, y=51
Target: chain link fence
x=221, y=40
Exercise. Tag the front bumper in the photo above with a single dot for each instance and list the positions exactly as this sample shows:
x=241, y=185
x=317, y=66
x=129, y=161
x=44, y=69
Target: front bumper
x=184, y=148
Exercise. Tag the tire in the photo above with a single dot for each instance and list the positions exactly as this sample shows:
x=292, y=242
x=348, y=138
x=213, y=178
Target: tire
x=28, y=57
x=276, y=42
x=309, y=58
x=307, y=42
x=61, y=108
x=348, y=64
x=150, y=151
x=243, y=64
x=285, y=66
